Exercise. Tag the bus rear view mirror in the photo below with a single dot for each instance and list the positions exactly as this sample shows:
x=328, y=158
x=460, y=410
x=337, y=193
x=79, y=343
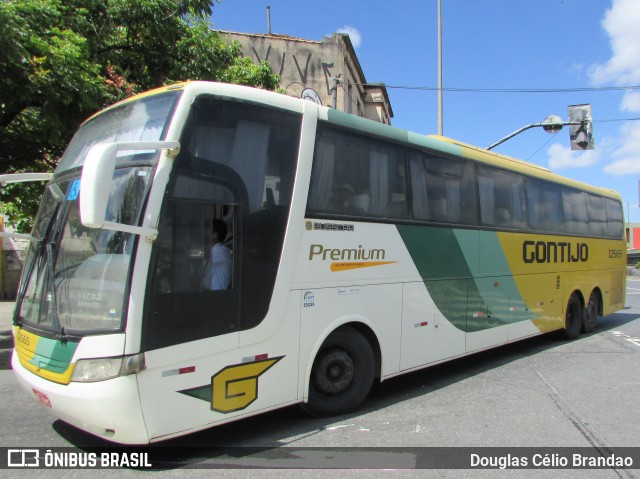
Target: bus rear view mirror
x=99, y=166
x=97, y=173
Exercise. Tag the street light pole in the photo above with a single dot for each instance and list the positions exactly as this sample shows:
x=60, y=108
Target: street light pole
x=550, y=124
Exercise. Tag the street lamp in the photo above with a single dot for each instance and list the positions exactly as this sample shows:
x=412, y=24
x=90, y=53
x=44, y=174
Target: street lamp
x=581, y=132
x=551, y=124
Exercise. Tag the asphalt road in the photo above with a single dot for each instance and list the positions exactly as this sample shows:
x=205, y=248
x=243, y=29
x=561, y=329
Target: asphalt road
x=540, y=392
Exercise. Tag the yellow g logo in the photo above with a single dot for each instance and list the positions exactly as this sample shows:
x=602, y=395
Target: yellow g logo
x=235, y=387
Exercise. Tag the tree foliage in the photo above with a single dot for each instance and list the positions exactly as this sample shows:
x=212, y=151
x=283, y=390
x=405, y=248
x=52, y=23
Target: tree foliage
x=62, y=60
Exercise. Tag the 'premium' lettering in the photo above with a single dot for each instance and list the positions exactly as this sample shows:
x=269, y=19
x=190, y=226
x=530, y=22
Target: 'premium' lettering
x=347, y=254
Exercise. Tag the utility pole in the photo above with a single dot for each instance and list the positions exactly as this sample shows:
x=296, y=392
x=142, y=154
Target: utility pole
x=268, y=20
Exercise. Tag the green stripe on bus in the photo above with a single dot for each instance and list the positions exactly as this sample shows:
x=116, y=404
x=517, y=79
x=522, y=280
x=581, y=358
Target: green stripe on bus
x=53, y=355
x=448, y=261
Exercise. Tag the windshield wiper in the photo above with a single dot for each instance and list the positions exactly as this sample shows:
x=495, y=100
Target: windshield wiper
x=54, y=295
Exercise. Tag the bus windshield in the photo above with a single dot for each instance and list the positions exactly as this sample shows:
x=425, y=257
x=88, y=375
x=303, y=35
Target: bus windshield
x=75, y=278
x=141, y=120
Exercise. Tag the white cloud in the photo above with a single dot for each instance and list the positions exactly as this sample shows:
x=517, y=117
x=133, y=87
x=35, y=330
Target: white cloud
x=623, y=68
x=621, y=24
x=628, y=166
x=564, y=157
x=354, y=35
x=631, y=102
x=626, y=156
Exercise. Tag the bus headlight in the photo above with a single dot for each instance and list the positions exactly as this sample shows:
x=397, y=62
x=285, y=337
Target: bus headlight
x=101, y=369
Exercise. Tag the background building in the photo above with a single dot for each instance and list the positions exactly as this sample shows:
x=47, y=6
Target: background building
x=12, y=255
x=308, y=68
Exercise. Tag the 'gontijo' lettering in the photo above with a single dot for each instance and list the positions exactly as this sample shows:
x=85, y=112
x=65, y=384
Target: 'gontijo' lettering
x=552, y=252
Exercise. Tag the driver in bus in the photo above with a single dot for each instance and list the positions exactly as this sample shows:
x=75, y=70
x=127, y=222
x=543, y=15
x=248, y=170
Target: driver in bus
x=217, y=272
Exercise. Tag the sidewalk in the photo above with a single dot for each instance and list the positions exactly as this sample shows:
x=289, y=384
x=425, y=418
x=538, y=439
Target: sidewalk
x=6, y=338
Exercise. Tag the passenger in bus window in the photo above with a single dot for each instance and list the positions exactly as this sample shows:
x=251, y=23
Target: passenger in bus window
x=217, y=272
x=342, y=201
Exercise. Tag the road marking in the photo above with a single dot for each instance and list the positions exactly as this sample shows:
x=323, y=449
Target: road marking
x=333, y=428
x=632, y=339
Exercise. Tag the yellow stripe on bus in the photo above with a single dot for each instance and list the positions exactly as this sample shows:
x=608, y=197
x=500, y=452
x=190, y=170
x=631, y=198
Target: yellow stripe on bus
x=335, y=267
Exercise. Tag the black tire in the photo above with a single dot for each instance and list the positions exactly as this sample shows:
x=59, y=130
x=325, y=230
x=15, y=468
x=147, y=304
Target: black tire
x=573, y=318
x=591, y=313
x=342, y=374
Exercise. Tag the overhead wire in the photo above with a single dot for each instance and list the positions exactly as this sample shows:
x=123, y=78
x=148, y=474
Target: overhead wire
x=542, y=146
x=507, y=90
x=511, y=90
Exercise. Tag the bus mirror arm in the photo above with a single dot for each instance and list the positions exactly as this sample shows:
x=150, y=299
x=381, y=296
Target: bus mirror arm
x=24, y=178
x=99, y=166
x=9, y=178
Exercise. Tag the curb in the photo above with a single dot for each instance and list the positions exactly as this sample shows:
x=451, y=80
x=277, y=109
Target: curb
x=6, y=348
x=6, y=340
x=5, y=358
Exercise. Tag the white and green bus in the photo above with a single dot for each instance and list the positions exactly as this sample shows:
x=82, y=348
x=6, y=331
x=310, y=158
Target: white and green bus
x=356, y=252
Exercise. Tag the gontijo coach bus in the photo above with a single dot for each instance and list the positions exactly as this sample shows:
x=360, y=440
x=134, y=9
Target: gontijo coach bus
x=358, y=252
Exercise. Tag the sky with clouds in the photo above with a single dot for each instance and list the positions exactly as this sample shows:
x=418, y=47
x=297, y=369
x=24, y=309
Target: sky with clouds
x=506, y=64
x=621, y=22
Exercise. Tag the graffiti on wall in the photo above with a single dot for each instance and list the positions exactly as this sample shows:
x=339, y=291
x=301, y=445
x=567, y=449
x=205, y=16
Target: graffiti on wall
x=300, y=67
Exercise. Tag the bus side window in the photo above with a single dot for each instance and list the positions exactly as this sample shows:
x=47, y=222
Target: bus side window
x=188, y=249
x=357, y=176
x=574, y=204
x=597, y=215
x=181, y=247
x=444, y=189
x=185, y=303
x=615, y=219
x=502, y=200
x=217, y=274
x=544, y=205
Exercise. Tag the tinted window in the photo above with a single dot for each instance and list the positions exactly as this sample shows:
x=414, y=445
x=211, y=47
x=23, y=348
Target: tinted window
x=238, y=166
x=615, y=218
x=502, y=198
x=444, y=189
x=597, y=215
x=357, y=176
x=574, y=206
x=545, y=205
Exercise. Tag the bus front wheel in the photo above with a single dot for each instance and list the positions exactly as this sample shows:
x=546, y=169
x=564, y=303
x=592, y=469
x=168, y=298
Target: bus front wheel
x=342, y=374
x=573, y=318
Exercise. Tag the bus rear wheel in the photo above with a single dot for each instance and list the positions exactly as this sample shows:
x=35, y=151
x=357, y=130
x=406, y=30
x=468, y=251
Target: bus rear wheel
x=342, y=374
x=573, y=318
x=591, y=313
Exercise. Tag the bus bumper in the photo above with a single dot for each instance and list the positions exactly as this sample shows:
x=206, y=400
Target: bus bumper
x=108, y=409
